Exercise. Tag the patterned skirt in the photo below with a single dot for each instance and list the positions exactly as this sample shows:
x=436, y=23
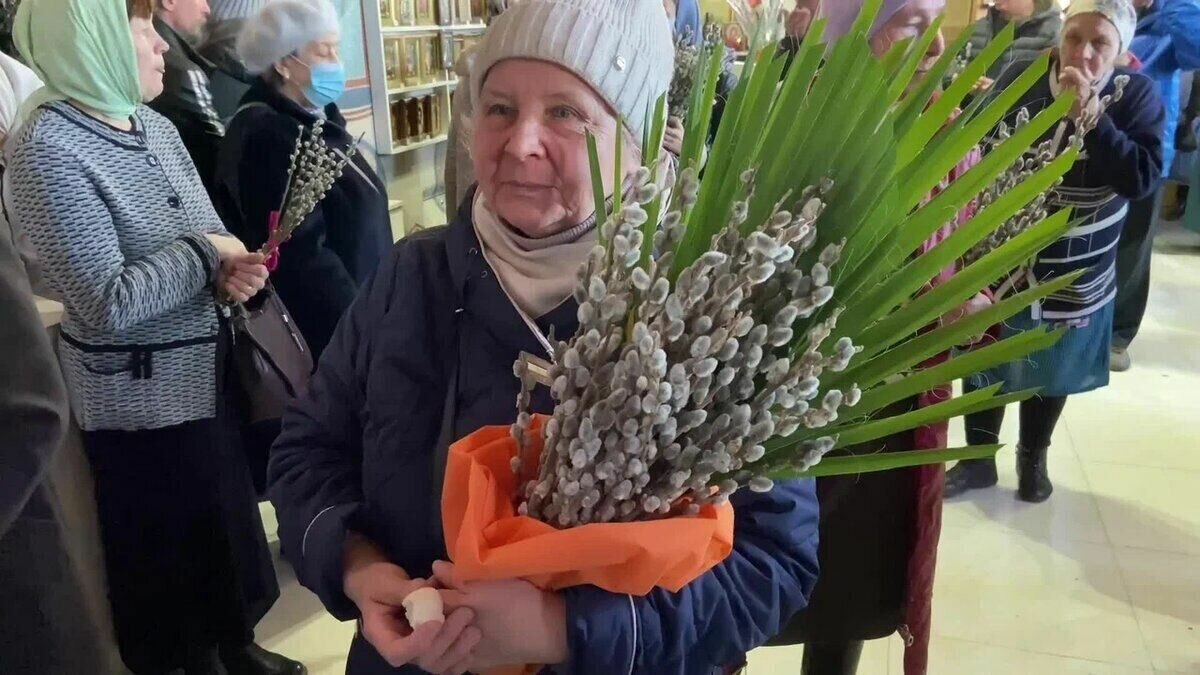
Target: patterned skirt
x=1078, y=363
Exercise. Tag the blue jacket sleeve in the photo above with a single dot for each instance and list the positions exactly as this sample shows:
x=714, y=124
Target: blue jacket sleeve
x=717, y=619
x=1126, y=146
x=315, y=472
x=1182, y=19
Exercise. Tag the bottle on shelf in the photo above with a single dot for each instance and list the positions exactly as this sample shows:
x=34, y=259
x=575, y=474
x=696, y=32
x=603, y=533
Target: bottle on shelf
x=405, y=12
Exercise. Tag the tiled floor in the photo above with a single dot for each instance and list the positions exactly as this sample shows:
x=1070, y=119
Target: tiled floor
x=1102, y=579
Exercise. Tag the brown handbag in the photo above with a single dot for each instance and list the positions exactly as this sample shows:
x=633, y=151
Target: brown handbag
x=274, y=363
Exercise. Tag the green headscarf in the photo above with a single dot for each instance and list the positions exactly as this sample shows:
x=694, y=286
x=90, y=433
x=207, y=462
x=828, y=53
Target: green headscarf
x=83, y=51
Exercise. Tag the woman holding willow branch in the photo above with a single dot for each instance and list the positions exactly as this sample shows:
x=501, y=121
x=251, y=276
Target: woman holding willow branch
x=425, y=356
x=292, y=47
x=1117, y=120
x=126, y=236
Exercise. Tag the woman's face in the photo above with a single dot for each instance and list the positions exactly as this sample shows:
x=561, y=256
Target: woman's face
x=911, y=22
x=149, y=47
x=1090, y=43
x=530, y=148
x=324, y=50
x=1015, y=10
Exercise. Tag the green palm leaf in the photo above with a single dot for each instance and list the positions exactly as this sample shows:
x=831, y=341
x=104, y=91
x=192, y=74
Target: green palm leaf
x=884, y=142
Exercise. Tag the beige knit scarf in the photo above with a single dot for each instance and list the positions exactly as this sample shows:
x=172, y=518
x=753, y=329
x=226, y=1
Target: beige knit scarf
x=537, y=274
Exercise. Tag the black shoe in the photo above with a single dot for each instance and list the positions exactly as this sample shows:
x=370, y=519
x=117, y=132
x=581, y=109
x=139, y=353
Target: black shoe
x=1033, y=480
x=205, y=663
x=254, y=660
x=970, y=474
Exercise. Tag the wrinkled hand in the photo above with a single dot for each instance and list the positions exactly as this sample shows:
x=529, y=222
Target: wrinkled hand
x=520, y=623
x=800, y=19
x=379, y=588
x=1086, y=101
x=973, y=306
x=242, y=277
x=673, y=136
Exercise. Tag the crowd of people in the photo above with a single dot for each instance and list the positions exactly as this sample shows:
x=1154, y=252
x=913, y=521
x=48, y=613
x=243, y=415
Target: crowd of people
x=147, y=146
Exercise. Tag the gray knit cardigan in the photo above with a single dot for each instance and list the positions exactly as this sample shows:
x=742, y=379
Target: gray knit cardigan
x=118, y=220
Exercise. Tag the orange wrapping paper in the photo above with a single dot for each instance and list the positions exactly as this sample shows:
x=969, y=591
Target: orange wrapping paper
x=487, y=540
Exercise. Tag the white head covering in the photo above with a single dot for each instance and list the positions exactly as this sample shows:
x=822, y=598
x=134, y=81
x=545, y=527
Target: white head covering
x=282, y=27
x=17, y=82
x=623, y=49
x=1120, y=13
x=223, y=10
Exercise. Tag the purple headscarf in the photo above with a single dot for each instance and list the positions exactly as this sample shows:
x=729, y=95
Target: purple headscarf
x=843, y=13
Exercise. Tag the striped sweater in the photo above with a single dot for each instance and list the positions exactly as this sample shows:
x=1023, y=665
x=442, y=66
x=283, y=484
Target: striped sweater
x=118, y=222
x=1122, y=160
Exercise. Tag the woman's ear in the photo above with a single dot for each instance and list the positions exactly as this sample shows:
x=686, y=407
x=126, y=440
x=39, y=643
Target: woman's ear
x=282, y=71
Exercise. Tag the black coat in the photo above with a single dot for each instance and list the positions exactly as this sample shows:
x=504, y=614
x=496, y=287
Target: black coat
x=1037, y=34
x=338, y=246
x=187, y=101
x=229, y=80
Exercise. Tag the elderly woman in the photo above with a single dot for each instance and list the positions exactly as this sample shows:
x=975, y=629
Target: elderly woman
x=126, y=236
x=1122, y=161
x=292, y=48
x=879, y=532
x=1036, y=24
x=425, y=356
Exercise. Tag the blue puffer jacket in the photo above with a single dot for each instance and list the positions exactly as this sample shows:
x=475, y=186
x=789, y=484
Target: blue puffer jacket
x=1167, y=42
x=358, y=453
x=688, y=20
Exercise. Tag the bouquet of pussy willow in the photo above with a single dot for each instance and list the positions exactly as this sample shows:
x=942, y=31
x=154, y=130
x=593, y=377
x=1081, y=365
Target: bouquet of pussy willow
x=767, y=315
x=312, y=170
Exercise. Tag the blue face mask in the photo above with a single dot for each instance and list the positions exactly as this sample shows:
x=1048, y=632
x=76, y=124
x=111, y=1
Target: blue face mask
x=328, y=83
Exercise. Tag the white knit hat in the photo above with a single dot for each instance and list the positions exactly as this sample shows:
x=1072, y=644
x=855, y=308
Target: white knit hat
x=282, y=27
x=223, y=10
x=1120, y=13
x=624, y=49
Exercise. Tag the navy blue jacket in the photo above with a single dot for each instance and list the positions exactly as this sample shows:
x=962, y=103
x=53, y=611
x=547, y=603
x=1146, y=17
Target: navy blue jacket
x=358, y=454
x=338, y=247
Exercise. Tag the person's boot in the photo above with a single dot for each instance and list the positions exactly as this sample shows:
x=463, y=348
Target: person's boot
x=831, y=659
x=1119, y=360
x=254, y=660
x=205, y=662
x=1033, y=479
x=970, y=474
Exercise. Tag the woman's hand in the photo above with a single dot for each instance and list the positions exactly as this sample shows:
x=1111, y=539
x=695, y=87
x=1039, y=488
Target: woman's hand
x=1086, y=102
x=520, y=623
x=243, y=276
x=227, y=245
x=800, y=19
x=973, y=306
x=673, y=136
x=379, y=588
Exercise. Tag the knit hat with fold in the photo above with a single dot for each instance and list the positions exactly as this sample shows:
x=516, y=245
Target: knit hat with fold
x=223, y=10
x=624, y=49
